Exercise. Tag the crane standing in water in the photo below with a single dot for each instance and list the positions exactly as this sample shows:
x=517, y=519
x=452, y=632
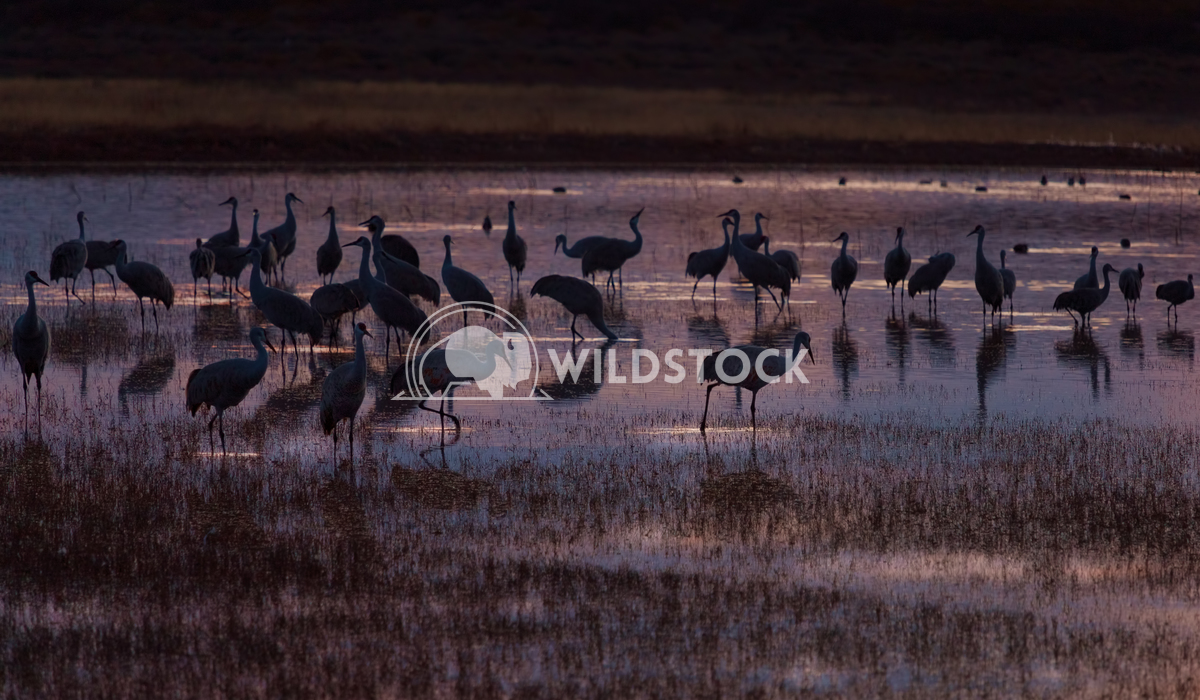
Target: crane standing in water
x=1175, y=293
x=1084, y=300
x=329, y=254
x=514, y=248
x=988, y=281
x=1010, y=281
x=1130, y=282
x=773, y=366
x=464, y=287
x=225, y=384
x=31, y=344
x=145, y=281
x=760, y=270
x=709, y=262
x=202, y=262
x=611, y=255
x=843, y=271
x=343, y=392
x=284, y=235
x=68, y=260
x=229, y=237
x=392, y=308
x=896, y=265
x=1089, y=280
x=930, y=276
x=288, y=312
x=578, y=297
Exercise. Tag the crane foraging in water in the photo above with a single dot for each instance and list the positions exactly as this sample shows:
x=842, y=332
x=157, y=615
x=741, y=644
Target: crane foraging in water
x=930, y=276
x=1010, y=281
x=68, y=260
x=329, y=254
x=31, y=344
x=843, y=271
x=611, y=255
x=146, y=281
x=343, y=391
x=229, y=237
x=896, y=265
x=284, y=235
x=464, y=287
x=1084, y=300
x=514, y=248
x=1130, y=283
x=736, y=374
x=578, y=297
x=1089, y=280
x=709, y=262
x=202, y=262
x=988, y=281
x=391, y=307
x=1175, y=293
x=286, y=311
x=225, y=384
x=760, y=270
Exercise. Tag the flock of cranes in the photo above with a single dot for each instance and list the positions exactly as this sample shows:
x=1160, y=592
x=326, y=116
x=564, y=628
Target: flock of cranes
x=393, y=289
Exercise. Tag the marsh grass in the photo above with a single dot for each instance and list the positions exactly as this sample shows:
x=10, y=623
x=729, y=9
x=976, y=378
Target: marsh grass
x=331, y=108
x=845, y=556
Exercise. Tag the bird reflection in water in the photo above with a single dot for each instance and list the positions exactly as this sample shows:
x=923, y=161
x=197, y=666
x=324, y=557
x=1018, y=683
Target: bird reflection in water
x=1132, y=345
x=1178, y=344
x=990, y=358
x=845, y=358
x=586, y=387
x=1082, y=352
x=220, y=322
x=149, y=377
x=705, y=331
x=896, y=337
x=941, y=341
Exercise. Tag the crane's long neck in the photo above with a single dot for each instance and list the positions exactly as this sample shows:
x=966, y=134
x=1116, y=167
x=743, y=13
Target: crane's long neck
x=256, y=282
x=291, y=218
x=255, y=241
x=735, y=241
x=512, y=224
x=758, y=232
x=795, y=347
x=637, y=237
x=448, y=262
x=766, y=246
x=360, y=355
x=364, y=270
x=81, y=228
x=30, y=317
x=980, y=258
x=725, y=228
x=1092, y=269
x=1104, y=289
x=845, y=242
x=333, y=236
x=261, y=358
x=120, y=263
x=233, y=219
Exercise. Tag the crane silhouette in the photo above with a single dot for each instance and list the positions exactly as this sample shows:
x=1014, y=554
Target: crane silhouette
x=146, y=281
x=709, y=262
x=464, y=287
x=100, y=256
x=1084, y=300
x=988, y=281
x=896, y=265
x=930, y=276
x=783, y=258
x=343, y=392
x=611, y=255
x=1090, y=280
x=773, y=367
x=761, y=270
x=225, y=384
x=578, y=297
x=286, y=311
x=514, y=248
x=31, y=344
x=229, y=237
x=68, y=260
x=1010, y=281
x=397, y=273
x=754, y=241
x=202, y=262
x=284, y=235
x=329, y=254
x=1175, y=293
x=1130, y=283
x=332, y=301
x=843, y=271
x=437, y=376
x=268, y=253
x=392, y=308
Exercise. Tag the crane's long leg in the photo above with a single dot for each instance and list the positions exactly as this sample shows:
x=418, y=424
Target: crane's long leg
x=707, y=398
x=221, y=430
x=38, y=377
x=451, y=416
x=154, y=310
x=211, y=446
x=93, y=274
x=714, y=288
x=335, y=445
x=387, y=344
x=573, y=331
x=697, y=284
x=295, y=347
x=753, y=420
x=73, y=281
x=777, y=304
x=351, y=433
x=25, y=386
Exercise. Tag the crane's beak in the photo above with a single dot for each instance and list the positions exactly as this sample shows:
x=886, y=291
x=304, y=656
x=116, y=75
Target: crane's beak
x=39, y=279
x=347, y=245
x=728, y=213
x=639, y=212
x=811, y=356
x=268, y=344
x=766, y=218
x=228, y=201
x=298, y=199
x=556, y=244
x=836, y=239
x=367, y=333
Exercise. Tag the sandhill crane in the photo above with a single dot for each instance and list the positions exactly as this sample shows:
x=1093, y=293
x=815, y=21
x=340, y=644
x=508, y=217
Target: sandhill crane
x=436, y=375
x=582, y=246
x=464, y=287
x=329, y=254
x=268, y=253
x=399, y=274
x=344, y=389
x=1090, y=280
x=578, y=297
x=31, y=344
x=284, y=234
x=761, y=270
x=1010, y=281
x=1130, y=282
x=896, y=265
x=394, y=245
x=773, y=366
x=988, y=281
x=332, y=301
x=754, y=241
x=514, y=248
x=230, y=261
x=203, y=262
x=101, y=256
x=145, y=281
x=709, y=262
x=843, y=271
x=930, y=276
x=230, y=237
x=611, y=255
x=784, y=258
x=225, y=384
x=487, y=225
x=1175, y=293
x=392, y=308
x=288, y=312
x=1084, y=300
x=67, y=261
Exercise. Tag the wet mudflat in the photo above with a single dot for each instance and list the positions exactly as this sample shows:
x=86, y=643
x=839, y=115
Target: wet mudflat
x=951, y=505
